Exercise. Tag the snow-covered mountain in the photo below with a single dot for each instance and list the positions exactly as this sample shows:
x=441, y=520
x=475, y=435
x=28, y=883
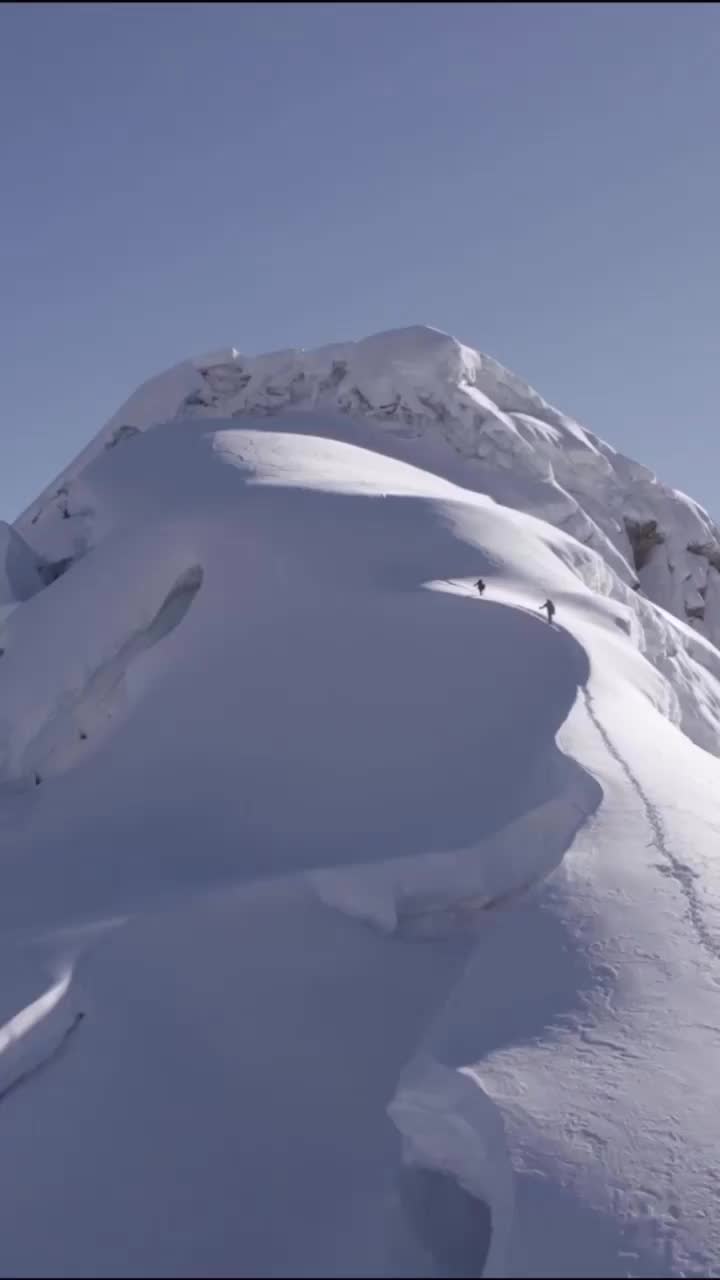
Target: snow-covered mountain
x=355, y=924
x=421, y=384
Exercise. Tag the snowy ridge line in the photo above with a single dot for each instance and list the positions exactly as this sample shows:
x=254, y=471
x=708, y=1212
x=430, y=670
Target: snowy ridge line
x=43, y=1062
x=37, y=1034
x=680, y=872
x=419, y=383
x=21, y=1025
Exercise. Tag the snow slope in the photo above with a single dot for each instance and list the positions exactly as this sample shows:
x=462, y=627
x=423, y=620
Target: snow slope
x=353, y=924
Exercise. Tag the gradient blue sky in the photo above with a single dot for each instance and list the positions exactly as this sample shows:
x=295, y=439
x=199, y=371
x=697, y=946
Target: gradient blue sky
x=542, y=181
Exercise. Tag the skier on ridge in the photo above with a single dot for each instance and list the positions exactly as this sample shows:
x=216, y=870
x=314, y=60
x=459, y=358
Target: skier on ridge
x=480, y=585
x=550, y=609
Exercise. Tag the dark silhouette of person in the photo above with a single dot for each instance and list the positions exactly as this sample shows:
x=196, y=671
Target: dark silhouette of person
x=480, y=585
x=549, y=608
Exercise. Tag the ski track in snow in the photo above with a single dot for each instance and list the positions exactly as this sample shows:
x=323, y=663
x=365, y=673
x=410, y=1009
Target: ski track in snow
x=680, y=872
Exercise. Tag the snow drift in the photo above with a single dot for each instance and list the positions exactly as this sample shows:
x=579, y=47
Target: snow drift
x=354, y=924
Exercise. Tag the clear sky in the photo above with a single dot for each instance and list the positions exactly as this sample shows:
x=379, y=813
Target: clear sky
x=542, y=181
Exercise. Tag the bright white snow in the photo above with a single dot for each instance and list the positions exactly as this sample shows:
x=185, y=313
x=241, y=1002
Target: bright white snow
x=344, y=911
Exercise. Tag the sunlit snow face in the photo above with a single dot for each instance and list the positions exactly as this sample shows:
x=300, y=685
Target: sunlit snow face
x=321, y=696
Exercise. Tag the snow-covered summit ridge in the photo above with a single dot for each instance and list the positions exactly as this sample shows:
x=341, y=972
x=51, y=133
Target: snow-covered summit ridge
x=420, y=385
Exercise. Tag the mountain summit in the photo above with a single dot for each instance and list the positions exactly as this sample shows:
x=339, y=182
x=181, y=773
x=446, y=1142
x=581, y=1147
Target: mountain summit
x=419, y=383
x=356, y=923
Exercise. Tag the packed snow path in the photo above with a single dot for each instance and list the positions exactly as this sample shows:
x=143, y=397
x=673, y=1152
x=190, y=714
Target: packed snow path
x=679, y=871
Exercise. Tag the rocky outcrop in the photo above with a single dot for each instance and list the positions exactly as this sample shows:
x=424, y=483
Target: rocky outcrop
x=124, y=432
x=710, y=551
x=643, y=536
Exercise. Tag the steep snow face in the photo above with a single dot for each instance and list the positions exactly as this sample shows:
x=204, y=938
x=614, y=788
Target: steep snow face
x=256, y=543
x=268, y=673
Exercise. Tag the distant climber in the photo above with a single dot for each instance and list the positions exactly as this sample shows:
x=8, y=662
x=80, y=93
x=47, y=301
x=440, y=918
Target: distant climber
x=549, y=608
x=480, y=586
x=37, y=779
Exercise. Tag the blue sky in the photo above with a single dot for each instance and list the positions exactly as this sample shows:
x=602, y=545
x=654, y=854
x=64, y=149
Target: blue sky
x=542, y=181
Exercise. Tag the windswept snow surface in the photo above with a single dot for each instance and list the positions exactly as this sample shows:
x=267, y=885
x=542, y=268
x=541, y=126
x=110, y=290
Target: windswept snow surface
x=353, y=924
